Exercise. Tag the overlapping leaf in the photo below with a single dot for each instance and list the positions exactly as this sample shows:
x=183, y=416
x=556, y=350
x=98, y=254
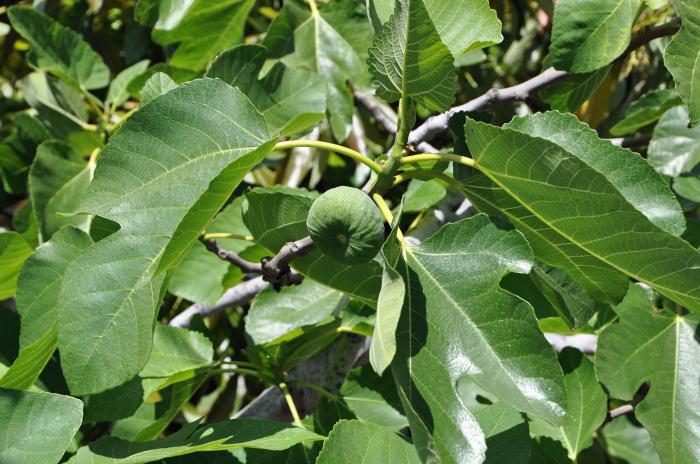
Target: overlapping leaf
x=58, y=49
x=456, y=322
x=463, y=25
x=217, y=436
x=589, y=34
x=408, y=59
x=580, y=219
x=675, y=148
x=320, y=48
x=569, y=93
x=682, y=57
x=647, y=110
x=162, y=177
x=14, y=251
x=355, y=441
x=209, y=27
x=37, y=294
x=660, y=348
x=292, y=100
x=58, y=180
x=36, y=427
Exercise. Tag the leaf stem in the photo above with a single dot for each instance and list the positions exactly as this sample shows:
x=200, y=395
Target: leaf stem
x=316, y=388
x=357, y=156
x=314, y=8
x=438, y=157
x=219, y=235
x=419, y=174
x=290, y=402
x=386, y=212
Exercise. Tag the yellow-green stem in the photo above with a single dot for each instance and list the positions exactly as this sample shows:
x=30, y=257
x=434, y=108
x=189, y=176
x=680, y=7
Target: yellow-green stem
x=403, y=177
x=438, y=157
x=218, y=235
x=386, y=212
x=312, y=5
x=345, y=151
x=290, y=403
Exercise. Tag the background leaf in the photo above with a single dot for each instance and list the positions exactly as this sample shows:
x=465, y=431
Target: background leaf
x=647, y=110
x=14, y=250
x=36, y=427
x=355, y=441
x=682, y=55
x=589, y=34
x=660, y=348
x=59, y=50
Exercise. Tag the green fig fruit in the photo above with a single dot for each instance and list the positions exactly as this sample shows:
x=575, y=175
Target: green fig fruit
x=345, y=224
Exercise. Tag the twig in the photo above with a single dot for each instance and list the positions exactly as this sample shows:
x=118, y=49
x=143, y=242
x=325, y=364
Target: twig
x=233, y=258
x=276, y=269
x=437, y=124
x=628, y=408
x=621, y=411
x=585, y=343
x=234, y=296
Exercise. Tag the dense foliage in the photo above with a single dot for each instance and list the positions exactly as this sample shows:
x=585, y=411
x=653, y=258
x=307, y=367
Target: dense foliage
x=338, y=231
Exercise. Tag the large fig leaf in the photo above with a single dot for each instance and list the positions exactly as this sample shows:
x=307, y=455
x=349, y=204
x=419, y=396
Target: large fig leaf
x=408, y=59
x=58, y=49
x=660, y=348
x=580, y=219
x=463, y=25
x=682, y=57
x=589, y=34
x=457, y=322
x=162, y=177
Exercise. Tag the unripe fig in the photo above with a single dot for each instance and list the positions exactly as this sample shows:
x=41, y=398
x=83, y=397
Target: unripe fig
x=345, y=224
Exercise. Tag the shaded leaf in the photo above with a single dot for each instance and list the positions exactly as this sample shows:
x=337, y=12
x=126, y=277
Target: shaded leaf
x=161, y=14
x=319, y=48
x=660, y=348
x=119, y=87
x=567, y=297
x=158, y=84
x=36, y=427
x=14, y=251
x=569, y=93
x=58, y=49
x=209, y=27
x=292, y=100
x=373, y=398
x=586, y=403
x=355, y=441
x=37, y=293
x=674, y=148
x=682, y=55
x=177, y=159
x=216, y=436
x=589, y=34
x=58, y=181
x=647, y=110
x=629, y=442
x=273, y=315
x=199, y=277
